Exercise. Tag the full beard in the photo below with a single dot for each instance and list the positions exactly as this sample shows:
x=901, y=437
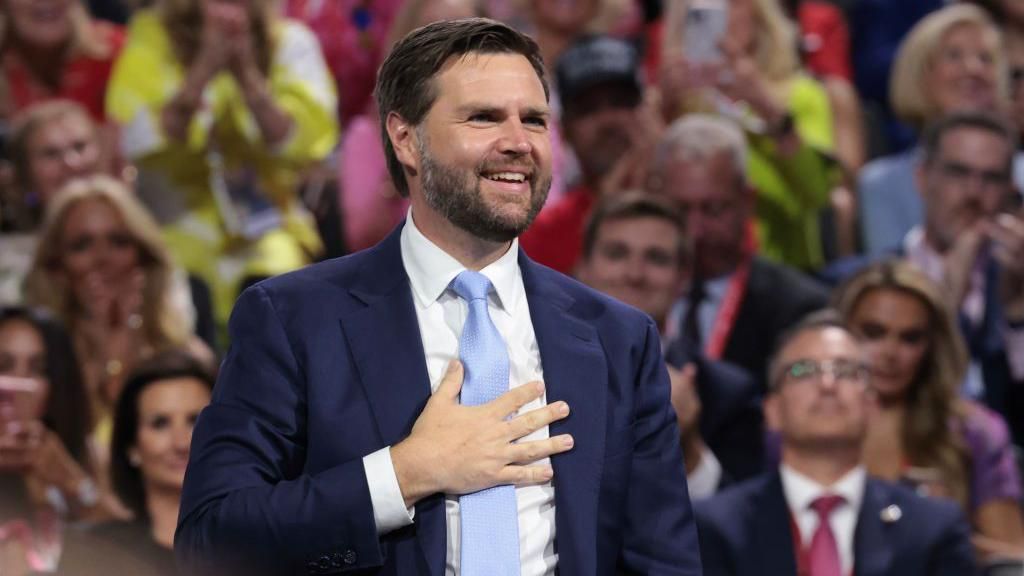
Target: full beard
x=458, y=198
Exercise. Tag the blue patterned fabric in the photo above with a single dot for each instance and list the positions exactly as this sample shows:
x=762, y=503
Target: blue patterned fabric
x=489, y=518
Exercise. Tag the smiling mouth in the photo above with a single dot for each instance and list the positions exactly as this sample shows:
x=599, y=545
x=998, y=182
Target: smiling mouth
x=506, y=177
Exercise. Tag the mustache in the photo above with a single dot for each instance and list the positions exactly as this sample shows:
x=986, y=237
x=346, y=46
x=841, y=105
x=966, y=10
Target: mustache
x=524, y=165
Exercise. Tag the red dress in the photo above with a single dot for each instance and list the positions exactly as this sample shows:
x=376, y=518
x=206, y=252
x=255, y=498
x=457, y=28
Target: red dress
x=83, y=79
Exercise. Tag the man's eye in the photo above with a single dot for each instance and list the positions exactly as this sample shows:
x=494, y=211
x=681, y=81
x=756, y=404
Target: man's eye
x=537, y=121
x=482, y=117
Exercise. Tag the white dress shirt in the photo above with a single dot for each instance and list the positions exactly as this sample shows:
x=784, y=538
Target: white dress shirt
x=801, y=491
x=703, y=482
x=441, y=315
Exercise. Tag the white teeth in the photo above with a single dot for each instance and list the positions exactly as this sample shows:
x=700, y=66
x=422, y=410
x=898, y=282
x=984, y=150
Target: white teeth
x=507, y=177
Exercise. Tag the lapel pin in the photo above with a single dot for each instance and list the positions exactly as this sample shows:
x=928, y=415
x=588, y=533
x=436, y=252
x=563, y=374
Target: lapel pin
x=891, y=513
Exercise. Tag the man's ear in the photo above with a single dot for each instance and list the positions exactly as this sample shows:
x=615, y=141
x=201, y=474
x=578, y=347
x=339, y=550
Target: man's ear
x=405, y=141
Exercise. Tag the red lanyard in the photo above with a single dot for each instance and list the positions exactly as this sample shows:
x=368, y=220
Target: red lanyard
x=727, y=312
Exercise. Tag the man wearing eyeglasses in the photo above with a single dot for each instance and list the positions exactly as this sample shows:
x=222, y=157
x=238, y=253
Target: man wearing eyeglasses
x=819, y=514
x=972, y=242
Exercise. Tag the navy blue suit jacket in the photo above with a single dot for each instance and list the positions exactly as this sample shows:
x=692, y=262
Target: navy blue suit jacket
x=327, y=366
x=731, y=419
x=745, y=531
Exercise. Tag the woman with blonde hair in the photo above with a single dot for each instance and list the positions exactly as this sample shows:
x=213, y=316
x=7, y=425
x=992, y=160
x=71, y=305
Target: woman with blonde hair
x=951, y=61
x=53, y=49
x=102, y=268
x=924, y=433
x=222, y=105
x=757, y=80
x=49, y=144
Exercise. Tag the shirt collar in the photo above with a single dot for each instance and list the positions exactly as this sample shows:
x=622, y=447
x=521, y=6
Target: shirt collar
x=801, y=491
x=431, y=269
x=922, y=255
x=716, y=287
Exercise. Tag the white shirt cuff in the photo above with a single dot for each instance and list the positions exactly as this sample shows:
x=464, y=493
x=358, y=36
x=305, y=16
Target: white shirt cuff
x=703, y=481
x=389, y=511
x=1013, y=338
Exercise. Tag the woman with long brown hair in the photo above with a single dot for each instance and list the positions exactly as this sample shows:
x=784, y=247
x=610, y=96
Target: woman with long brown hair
x=924, y=433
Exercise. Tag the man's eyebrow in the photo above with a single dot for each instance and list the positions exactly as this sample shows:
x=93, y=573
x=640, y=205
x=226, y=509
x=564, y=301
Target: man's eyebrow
x=472, y=108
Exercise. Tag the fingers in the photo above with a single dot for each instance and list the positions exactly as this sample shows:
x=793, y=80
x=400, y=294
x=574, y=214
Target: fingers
x=690, y=373
x=510, y=402
x=535, y=420
x=525, y=475
x=526, y=452
x=451, y=383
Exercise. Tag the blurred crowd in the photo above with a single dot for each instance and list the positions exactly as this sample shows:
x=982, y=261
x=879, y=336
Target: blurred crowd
x=727, y=166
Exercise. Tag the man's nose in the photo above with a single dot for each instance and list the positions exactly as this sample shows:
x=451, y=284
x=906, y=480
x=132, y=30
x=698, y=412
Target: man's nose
x=514, y=138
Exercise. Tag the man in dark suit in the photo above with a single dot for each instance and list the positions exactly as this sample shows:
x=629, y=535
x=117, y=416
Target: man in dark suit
x=635, y=249
x=336, y=440
x=819, y=514
x=738, y=303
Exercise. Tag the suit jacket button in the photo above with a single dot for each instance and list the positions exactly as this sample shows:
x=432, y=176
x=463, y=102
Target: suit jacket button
x=350, y=557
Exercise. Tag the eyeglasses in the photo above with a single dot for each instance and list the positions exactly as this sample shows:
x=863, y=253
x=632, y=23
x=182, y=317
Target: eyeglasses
x=961, y=174
x=841, y=371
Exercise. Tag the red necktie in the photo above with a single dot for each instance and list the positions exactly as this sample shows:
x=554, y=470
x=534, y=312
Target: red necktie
x=823, y=555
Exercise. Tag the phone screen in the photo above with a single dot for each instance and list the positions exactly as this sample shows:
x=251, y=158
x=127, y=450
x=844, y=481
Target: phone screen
x=704, y=26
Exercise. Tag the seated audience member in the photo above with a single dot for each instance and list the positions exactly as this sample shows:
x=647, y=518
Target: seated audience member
x=103, y=269
x=785, y=114
x=371, y=206
x=611, y=132
x=634, y=249
x=819, y=513
x=55, y=50
x=49, y=144
x=152, y=432
x=972, y=242
x=742, y=301
x=950, y=62
x=45, y=469
x=221, y=104
x=923, y=433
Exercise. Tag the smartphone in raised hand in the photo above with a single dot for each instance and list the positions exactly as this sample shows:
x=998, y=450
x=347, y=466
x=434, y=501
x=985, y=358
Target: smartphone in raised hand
x=704, y=25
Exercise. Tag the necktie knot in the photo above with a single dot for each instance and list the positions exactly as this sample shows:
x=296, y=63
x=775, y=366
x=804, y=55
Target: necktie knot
x=825, y=505
x=470, y=285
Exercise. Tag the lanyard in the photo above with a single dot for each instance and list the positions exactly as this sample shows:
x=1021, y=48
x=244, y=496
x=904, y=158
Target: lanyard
x=727, y=312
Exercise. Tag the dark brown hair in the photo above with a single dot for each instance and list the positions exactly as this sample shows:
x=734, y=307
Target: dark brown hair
x=169, y=365
x=984, y=121
x=405, y=81
x=67, y=405
x=633, y=205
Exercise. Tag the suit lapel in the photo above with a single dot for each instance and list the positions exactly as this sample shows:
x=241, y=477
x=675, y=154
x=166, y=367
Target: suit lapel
x=772, y=544
x=575, y=371
x=384, y=338
x=872, y=548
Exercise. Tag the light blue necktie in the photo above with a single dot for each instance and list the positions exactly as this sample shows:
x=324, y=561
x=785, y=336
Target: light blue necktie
x=489, y=518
